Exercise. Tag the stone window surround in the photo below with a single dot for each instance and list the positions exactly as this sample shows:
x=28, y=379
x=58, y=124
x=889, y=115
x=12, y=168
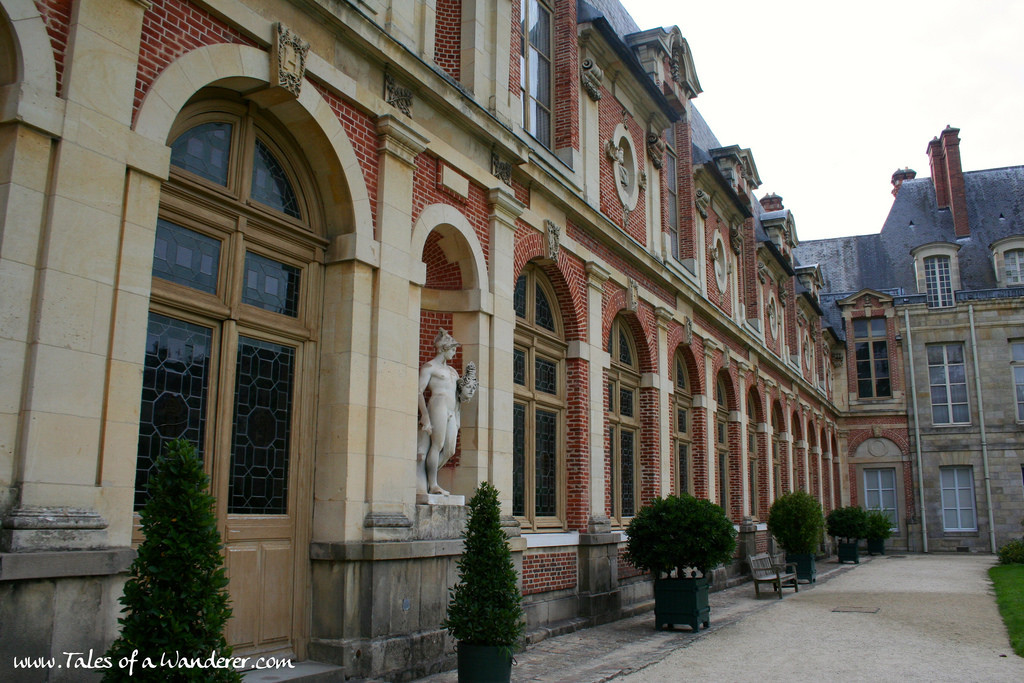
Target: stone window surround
x=1017, y=375
x=999, y=249
x=936, y=249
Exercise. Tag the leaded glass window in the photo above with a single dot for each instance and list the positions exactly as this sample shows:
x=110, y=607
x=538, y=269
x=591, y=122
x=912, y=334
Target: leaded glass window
x=186, y=257
x=538, y=369
x=681, y=402
x=204, y=150
x=175, y=384
x=624, y=425
x=722, y=445
x=270, y=184
x=271, y=285
x=264, y=379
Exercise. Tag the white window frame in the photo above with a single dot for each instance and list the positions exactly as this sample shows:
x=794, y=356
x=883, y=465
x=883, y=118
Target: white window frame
x=528, y=53
x=952, y=500
x=1017, y=366
x=939, y=280
x=1013, y=266
x=947, y=385
x=879, y=488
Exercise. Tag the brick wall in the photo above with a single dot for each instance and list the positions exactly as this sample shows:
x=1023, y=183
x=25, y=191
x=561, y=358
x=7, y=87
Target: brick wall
x=627, y=570
x=170, y=29
x=441, y=273
x=610, y=115
x=577, y=446
x=427, y=190
x=567, y=78
x=548, y=571
x=362, y=135
x=448, y=37
x=56, y=16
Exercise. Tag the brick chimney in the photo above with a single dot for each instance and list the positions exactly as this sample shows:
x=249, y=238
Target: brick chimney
x=948, y=177
x=899, y=176
x=771, y=202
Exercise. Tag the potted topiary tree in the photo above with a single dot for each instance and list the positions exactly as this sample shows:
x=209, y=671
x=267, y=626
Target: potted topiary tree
x=796, y=521
x=675, y=539
x=175, y=600
x=848, y=525
x=879, y=528
x=485, y=611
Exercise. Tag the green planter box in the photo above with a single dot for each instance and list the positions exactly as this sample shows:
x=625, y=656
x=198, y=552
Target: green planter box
x=848, y=553
x=806, y=568
x=876, y=546
x=484, y=663
x=681, y=601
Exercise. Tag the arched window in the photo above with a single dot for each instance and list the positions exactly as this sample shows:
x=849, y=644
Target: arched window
x=681, y=403
x=236, y=274
x=623, y=421
x=778, y=427
x=752, y=459
x=722, y=442
x=538, y=410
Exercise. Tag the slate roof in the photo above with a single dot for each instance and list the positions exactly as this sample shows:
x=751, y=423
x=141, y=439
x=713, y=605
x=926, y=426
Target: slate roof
x=995, y=209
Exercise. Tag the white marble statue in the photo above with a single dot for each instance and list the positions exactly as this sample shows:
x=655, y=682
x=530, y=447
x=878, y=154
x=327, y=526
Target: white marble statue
x=441, y=418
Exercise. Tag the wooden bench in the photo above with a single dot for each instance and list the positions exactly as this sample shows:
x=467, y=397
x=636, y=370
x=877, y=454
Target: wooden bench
x=763, y=570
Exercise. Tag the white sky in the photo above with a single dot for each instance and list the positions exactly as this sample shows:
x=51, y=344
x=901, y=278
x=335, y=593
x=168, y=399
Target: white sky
x=831, y=97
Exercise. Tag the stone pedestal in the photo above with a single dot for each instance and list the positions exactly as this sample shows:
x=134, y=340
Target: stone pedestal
x=31, y=529
x=439, y=499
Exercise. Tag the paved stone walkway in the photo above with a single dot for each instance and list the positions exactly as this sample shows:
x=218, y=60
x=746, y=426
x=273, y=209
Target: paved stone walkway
x=910, y=617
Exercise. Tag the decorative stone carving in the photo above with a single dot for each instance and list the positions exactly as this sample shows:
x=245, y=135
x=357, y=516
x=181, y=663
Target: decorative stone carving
x=441, y=418
x=762, y=272
x=625, y=217
x=783, y=294
x=726, y=359
x=554, y=236
x=288, y=52
x=617, y=156
x=500, y=169
x=837, y=357
x=397, y=96
x=702, y=200
x=735, y=238
x=656, y=150
x=643, y=181
x=591, y=77
x=688, y=331
x=633, y=295
x=674, y=65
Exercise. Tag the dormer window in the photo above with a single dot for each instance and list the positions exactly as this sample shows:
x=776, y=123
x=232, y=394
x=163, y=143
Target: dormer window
x=1013, y=261
x=1008, y=261
x=938, y=275
x=938, y=281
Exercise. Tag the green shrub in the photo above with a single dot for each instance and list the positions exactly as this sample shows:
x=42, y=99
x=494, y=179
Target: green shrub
x=175, y=600
x=796, y=521
x=879, y=525
x=680, y=532
x=1012, y=552
x=848, y=523
x=485, y=606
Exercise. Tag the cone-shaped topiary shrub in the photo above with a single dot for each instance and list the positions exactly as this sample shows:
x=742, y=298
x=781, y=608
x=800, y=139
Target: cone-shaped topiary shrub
x=796, y=521
x=486, y=605
x=679, y=533
x=175, y=600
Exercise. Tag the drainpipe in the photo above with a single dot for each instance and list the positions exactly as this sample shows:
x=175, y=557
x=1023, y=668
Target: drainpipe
x=917, y=432
x=984, y=439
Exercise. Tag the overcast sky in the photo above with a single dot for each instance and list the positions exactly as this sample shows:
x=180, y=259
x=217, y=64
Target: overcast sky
x=831, y=98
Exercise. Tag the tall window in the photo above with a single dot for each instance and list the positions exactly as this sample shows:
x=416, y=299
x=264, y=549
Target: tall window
x=722, y=443
x=937, y=279
x=871, y=350
x=1017, y=349
x=1013, y=260
x=227, y=322
x=880, y=492
x=535, y=79
x=538, y=409
x=948, y=380
x=623, y=421
x=681, y=402
x=777, y=429
x=672, y=202
x=752, y=460
x=958, y=513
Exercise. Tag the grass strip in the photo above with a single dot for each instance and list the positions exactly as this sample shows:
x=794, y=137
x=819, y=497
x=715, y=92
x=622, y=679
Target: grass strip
x=1008, y=580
